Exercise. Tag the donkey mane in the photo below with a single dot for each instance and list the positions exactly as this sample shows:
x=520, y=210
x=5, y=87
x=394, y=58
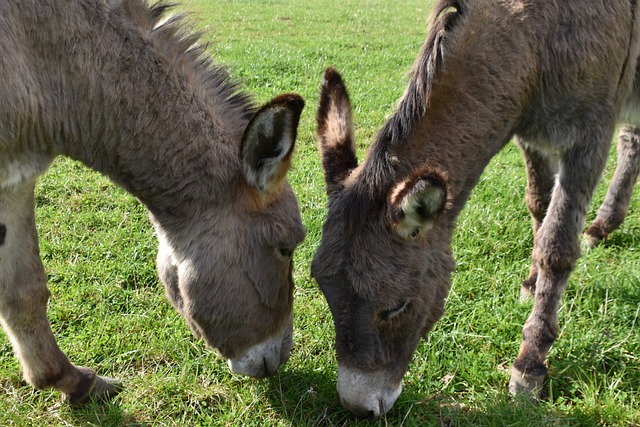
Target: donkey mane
x=427, y=67
x=176, y=39
x=378, y=172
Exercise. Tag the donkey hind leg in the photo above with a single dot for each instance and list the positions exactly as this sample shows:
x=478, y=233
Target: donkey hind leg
x=616, y=202
x=541, y=171
x=23, y=305
x=556, y=249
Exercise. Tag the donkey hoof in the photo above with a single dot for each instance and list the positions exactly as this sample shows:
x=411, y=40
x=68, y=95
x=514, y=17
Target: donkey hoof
x=593, y=236
x=526, y=293
x=525, y=385
x=528, y=288
x=102, y=389
x=590, y=242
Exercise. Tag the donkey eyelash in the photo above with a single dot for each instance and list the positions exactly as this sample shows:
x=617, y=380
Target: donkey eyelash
x=285, y=252
x=389, y=314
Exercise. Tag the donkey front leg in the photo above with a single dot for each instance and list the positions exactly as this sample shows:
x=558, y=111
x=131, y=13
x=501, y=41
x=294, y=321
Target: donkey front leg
x=556, y=250
x=616, y=203
x=23, y=306
x=541, y=171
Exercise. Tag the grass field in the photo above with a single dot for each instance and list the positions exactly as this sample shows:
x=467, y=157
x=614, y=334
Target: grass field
x=108, y=309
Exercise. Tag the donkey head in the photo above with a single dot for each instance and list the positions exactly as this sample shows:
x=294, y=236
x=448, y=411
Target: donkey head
x=385, y=291
x=227, y=269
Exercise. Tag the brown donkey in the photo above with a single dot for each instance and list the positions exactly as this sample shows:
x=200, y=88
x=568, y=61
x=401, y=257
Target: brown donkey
x=556, y=74
x=130, y=94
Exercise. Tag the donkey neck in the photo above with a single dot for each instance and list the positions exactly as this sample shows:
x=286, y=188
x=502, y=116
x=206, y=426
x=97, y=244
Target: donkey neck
x=462, y=103
x=455, y=143
x=135, y=101
x=459, y=153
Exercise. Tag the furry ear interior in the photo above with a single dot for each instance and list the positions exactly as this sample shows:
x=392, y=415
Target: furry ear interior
x=268, y=142
x=414, y=205
x=335, y=131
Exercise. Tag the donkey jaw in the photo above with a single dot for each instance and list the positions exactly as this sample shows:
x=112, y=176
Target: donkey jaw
x=366, y=394
x=264, y=359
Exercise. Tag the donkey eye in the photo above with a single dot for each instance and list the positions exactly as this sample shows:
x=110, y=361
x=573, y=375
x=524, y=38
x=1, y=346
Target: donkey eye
x=388, y=314
x=285, y=252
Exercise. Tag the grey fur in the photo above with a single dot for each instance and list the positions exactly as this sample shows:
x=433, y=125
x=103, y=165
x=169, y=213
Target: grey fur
x=615, y=206
x=110, y=84
x=556, y=74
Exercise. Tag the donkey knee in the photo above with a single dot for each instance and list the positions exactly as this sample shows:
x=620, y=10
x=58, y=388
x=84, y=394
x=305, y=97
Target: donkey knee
x=20, y=307
x=553, y=257
x=556, y=256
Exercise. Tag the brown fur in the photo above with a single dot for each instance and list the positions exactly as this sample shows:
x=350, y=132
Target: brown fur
x=615, y=206
x=135, y=98
x=557, y=75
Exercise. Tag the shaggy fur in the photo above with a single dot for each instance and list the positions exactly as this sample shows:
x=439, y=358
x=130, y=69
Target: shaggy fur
x=615, y=207
x=558, y=75
x=124, y=88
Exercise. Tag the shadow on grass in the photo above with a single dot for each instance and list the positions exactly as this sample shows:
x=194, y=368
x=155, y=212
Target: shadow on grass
x=310, y=399
x=47, y=405
x=102, y=414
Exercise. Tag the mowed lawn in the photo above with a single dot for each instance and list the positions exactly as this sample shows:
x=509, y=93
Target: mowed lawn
x=109, y=312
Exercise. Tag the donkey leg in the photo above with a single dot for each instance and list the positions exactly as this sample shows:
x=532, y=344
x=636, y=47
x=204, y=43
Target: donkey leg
x=23, y=304
x=541, y=172
x=556, y=251
x=616, y=202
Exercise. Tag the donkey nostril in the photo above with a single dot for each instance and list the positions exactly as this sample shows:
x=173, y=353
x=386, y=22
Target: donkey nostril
x=360, y=411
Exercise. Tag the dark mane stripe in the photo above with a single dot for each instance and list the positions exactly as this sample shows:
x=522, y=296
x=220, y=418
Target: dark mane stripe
x=159, y=9
x=425, y=70
x=178, y=41
x=378, y=173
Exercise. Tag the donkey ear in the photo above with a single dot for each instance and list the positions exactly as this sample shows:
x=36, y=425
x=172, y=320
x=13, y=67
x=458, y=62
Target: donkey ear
x=335, y=131
x=268, y=142
x=414, y=205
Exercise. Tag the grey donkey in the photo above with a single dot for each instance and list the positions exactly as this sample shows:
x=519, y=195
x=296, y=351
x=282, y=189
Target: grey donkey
x=127, y=90
x=557, y=75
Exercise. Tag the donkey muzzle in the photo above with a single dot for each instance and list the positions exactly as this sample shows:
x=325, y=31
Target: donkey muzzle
x=368, y=395
x=264, y=359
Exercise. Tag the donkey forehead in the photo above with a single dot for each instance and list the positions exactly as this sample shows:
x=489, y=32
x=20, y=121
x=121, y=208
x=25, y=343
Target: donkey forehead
x=370, y=263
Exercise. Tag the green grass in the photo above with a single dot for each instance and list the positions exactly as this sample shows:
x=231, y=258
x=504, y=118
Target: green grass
x=108, y=310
